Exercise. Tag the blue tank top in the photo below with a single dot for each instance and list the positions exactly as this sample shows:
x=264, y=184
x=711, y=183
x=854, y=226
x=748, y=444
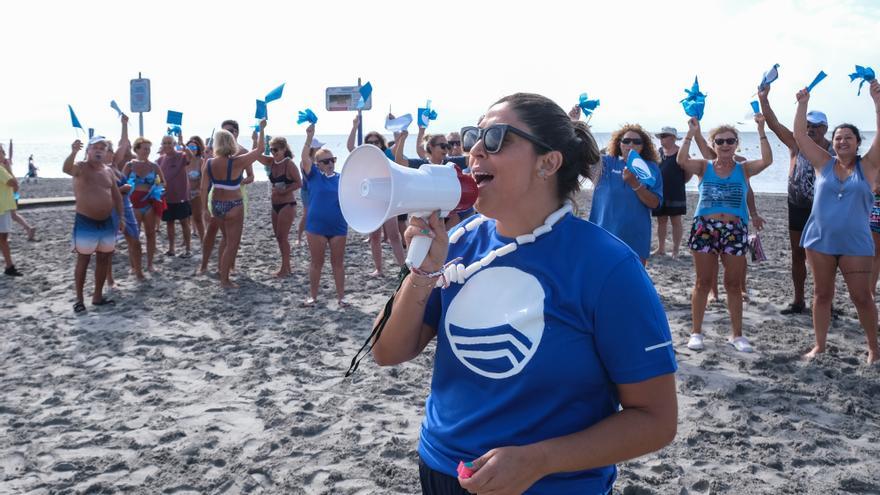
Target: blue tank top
x=838, y=223
x=723, y=195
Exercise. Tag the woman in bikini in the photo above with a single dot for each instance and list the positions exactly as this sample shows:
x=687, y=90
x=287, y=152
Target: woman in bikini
x=147, y=197
x=225, y=173
x=284, y=176
x=194, y=175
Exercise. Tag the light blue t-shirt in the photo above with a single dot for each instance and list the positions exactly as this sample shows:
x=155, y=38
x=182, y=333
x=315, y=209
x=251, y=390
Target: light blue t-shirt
x=618, y=209
x=325, y=215
x=532, y=345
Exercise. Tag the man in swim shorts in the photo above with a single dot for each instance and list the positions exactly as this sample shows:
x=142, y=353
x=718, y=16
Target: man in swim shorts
x=173, y=164
x=94, y=230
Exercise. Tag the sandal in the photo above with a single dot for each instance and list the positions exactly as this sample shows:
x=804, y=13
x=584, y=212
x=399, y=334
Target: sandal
x=104, y=302
x=794, y=309
x=186, y=255
x=741, y=344
x=79, y=307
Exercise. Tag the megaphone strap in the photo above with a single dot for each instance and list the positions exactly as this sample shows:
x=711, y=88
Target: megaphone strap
x=458, y=273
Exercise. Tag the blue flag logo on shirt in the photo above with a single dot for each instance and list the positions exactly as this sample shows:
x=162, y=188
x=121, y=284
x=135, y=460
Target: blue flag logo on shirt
x=496, y=340
x=639, y=167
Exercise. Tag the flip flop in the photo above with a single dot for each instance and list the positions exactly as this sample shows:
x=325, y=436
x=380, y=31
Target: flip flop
x=186, y=255
x=79, y=307
x=104, y=302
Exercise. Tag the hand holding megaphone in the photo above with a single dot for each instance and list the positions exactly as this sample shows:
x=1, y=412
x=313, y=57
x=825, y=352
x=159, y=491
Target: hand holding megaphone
x=373, y=189
x=434, y=228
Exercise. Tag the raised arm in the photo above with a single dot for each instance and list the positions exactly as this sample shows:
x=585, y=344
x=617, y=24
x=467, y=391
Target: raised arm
x=420, y=144
x=123, y=149
x=306, y=160
x=398, y=148
x=705, y=150
x=690, y=165
x=872, y=157
x=351, y=136
x=782, y=132
x=70, y=167
x=817, y=156
x=755, y=167
x=252, y=155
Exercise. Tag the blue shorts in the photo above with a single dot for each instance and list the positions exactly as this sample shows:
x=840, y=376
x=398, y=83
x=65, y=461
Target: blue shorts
x=91, y=236
x=131, y=225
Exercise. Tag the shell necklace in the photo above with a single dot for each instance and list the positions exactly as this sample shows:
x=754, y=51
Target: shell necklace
x=458, y=273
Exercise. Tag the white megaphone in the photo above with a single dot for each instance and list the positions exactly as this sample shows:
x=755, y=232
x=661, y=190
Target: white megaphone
x=373, y=189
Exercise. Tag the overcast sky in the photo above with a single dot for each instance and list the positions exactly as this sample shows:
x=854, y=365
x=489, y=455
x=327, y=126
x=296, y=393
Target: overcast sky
x=211, y=60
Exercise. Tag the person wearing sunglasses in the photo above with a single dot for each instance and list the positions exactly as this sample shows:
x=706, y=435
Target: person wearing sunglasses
x=622, y=204
x=720, y=227
x=801, y=178
x=284, y=177
x=225, y=176
x=674, y=203
x=325, y=225
x=454, y=141
x=837, y=235
x=527, y=295
x=196, y=147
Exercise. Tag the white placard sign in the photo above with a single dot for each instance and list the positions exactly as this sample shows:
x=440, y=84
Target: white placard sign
x=345, y=99
x=140, y=95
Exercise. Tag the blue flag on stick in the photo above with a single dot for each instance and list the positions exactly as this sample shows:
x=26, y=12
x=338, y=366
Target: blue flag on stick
x=399, y=124
x=307, y=115
x=275, y=93
x=821, y=75
x=866, y=74
x=174, y=118
x=115, y=106
x=695, y=102
x=587, y=106
x=261, y=112
x=769, y=76
x=426, y=115
x=73, y=120
x=365, y=91
x=756, y=108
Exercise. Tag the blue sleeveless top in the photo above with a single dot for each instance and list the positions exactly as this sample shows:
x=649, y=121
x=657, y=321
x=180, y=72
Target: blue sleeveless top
x=838, y=223
x=723, y=195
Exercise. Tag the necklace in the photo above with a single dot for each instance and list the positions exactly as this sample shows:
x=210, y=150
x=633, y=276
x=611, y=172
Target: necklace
x=458, y=273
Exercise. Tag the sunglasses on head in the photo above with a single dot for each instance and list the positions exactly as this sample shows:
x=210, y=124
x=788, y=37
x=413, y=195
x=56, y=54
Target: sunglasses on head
x=453, y=144
x=720, y=141
x=327, y=161
x=493, y=137
x=635, y=141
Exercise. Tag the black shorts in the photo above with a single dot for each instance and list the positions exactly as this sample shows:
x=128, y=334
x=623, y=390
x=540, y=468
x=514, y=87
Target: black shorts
x=798, y=216
x=177, y=211
x=668, y=211
x=437, y=483
x=402, y=217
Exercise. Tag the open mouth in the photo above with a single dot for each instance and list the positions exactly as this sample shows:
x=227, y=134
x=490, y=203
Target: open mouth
x=482, y=178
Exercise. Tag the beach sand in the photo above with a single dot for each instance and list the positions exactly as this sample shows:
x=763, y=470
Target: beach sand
x=185, y=388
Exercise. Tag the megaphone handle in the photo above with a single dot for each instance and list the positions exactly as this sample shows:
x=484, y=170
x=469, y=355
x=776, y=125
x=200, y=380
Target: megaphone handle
x=418, y=250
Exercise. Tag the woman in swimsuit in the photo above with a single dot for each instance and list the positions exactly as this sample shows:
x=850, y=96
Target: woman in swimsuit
x=146, y=177
x=837, y=234
x=285, y=179
x=225, y=173
x=194, y=175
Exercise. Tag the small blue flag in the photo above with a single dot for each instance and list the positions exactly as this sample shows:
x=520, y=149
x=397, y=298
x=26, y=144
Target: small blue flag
x=275, y=94
x=174, y=118
x=307, y=115
x=756, y=108
x=365, y=91
x=114, y=106
x=587, y=106
x=261, y=112
x=769, y=76
x=399, y=124
x=866, y=74
x=173, y=130
x=821, y=75
x=73, y=120
x=695, y=102
x=426, y=115
x=639, y=167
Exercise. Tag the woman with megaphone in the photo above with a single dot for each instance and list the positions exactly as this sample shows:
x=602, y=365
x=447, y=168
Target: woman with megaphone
x=554, y=359
x=325, y=225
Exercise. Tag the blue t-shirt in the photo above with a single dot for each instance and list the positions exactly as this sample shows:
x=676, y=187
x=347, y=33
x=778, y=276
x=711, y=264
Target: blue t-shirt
x=325, y=214
x=618, y=209
x=532, y=345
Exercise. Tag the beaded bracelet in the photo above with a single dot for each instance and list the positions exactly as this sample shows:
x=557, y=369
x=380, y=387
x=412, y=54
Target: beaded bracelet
x=641, y=185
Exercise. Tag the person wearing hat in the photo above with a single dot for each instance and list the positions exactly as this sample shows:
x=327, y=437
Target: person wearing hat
x=674, y=203
x=801, y=177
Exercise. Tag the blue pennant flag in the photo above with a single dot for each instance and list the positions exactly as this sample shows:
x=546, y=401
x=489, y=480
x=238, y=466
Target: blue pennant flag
x=587, y=106
x=769, y=76
x=174, y=118
x=695, y=102
x=73, y=120
x=821, y=75
x=275, y=94
x=866, y=74
x=173, y=130
x=756, y=108
x=261, y=112
x=365, y=91
x=307, y=115
x=399, y=124
x=115, y=106
x=639, y=167
x=426, y=115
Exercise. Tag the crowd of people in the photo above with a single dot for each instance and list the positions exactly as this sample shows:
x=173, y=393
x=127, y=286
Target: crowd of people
x=552, y=319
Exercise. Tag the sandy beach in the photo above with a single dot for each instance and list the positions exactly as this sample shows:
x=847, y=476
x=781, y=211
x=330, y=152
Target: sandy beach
x=185, y=388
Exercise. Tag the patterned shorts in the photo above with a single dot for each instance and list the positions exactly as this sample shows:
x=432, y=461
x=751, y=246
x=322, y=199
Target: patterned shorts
x=709, y=235
x=875, y=214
